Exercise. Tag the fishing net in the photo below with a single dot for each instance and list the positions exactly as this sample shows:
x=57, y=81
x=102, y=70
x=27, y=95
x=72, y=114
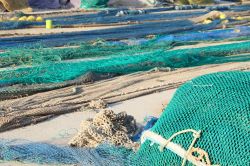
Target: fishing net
x=39, y=107
x=204, y=103
x=218, y=105
x=56, y=65
x=46, y=154
x=106, y=126
x=104, y=17
x=18, y=25
x=93, y=3
x=100, y=133
x=97, y=49
x=38, y=55
x=117, y=33
x=110, y=16
x=237, y=33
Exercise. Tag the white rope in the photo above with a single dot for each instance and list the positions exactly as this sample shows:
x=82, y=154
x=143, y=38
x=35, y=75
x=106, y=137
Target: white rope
x=177, y=149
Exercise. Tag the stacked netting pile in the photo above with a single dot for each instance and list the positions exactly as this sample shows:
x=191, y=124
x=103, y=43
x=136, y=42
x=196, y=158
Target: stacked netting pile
x=93, y=3
x=218, y=105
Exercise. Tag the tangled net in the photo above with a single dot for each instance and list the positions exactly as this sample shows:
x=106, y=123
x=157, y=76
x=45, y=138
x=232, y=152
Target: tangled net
x=106, y=126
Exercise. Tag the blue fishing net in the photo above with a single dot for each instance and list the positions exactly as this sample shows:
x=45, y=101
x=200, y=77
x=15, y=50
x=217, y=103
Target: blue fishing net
x=131, y=31
x=42, y=153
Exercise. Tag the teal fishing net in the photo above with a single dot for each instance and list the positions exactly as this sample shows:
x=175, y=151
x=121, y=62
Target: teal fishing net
x=218, y=105
x=93, y=3
x=62, y=64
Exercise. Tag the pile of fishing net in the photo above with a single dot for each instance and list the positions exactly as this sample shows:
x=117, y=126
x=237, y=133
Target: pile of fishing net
x=106, y=126
x=93, y=3
x=206, y=122
x=216, y=108
x=105, y=139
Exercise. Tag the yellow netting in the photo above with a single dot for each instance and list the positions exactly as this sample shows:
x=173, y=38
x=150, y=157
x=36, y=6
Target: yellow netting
x=12, y=5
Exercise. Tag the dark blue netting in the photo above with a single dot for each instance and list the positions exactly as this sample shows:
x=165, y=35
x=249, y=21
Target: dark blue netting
x=132, y=31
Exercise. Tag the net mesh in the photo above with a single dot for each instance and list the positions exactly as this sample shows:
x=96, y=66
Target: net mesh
x=218, y=105
x=46, y=154
x=116, y=33
x=39, y=107
x=58, y=65
x=103, y=17
x=203, y=103
x=93, y=3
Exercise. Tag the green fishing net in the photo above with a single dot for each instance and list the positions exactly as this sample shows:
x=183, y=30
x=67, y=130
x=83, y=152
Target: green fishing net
x=93, y=3
x=47, y=65
x=97, y=49
x=218, y=105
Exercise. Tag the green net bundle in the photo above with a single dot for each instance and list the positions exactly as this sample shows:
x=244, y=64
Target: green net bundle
x=93, y=3
x=98, y=49
x=218, y=105
x=58, y=65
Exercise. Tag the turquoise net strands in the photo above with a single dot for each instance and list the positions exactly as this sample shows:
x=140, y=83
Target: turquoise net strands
x=218, y=105
x=93, y=3
x=58, y=65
